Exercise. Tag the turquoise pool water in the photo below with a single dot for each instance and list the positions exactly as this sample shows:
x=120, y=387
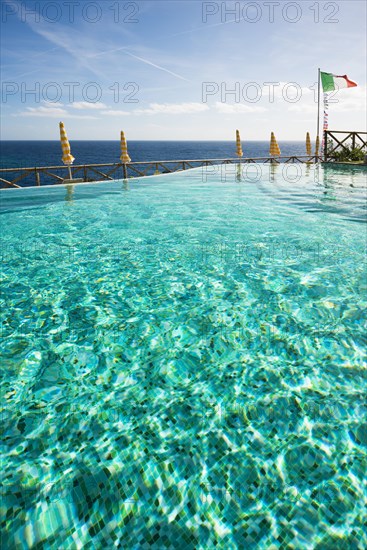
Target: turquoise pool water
x=184, y=362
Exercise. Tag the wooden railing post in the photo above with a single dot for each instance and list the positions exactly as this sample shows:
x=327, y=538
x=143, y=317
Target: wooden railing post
x=85, y=173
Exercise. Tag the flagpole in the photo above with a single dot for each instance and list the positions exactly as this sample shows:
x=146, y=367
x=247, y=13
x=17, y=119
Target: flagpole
x=318, y=103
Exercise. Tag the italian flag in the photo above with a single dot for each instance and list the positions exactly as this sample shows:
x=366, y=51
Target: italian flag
x=331, y=82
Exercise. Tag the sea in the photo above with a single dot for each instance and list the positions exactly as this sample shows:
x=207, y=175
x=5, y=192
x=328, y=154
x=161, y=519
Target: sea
x=29, y=154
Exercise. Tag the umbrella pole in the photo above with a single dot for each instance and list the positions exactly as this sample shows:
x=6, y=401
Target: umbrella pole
x=69, y=170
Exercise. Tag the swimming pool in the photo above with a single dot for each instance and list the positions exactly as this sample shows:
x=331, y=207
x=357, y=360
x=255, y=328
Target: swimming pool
x=184, y=361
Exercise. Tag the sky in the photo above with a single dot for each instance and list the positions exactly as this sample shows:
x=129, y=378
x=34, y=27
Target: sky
x=178, y=70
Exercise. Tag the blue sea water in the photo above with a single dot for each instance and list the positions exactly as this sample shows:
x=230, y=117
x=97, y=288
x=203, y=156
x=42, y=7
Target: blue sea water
x=184, y=361
x=24, y=154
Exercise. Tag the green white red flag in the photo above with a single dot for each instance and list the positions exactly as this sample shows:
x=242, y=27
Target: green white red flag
x=331, y=82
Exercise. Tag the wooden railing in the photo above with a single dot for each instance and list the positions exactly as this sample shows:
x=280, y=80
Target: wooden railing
x=344, y=140
x=46, y=175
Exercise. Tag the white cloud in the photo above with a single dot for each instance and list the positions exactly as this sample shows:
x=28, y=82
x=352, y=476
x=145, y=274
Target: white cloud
x=87, y=105
x=172, y=108
x=45, y=110
x=302, y=108
x=351, y=99
x=161, y=108
x=51, y=104
x=51, y=110
x=345, y=100
x=111, y=112
x=234, y=108
x=57, y=110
